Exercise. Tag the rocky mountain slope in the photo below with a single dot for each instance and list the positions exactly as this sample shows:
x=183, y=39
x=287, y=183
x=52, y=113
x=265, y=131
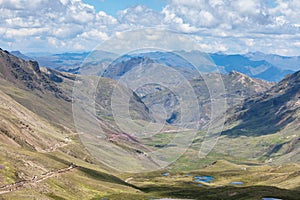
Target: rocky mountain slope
x=49, y=84
x=267, y=123
x=48, y=94
x=271, y=111
x=28, y=75
x=237, y=87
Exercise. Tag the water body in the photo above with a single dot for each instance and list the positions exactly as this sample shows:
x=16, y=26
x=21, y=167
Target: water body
x=166, y=174
x=270, y=198
x=205, y=179
x=237, y=183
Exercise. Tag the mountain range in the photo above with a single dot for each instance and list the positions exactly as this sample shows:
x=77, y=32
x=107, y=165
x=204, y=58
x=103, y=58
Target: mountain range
x=268, y=67
x=44, y=156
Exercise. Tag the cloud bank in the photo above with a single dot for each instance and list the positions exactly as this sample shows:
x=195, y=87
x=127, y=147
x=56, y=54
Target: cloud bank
x=233, y=26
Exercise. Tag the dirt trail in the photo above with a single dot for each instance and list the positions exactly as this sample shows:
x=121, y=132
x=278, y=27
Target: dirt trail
x=36, y=179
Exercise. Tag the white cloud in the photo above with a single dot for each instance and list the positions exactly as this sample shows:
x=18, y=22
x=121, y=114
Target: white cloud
x=240, y=24
x=249, y=42
x=247, y=7
x=94, y=34
x=297, y=43
x=222, y=25
x=52, y=24
x=211, y=47
x=140, y=16
x=189, y=15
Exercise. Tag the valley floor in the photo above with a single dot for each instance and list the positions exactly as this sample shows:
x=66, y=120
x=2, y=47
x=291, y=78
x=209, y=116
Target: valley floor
x=228, y=181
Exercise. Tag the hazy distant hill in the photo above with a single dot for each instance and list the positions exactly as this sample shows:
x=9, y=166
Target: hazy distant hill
x=257, y=65
x=261, y=69
x=282, y=62
x=20, y=55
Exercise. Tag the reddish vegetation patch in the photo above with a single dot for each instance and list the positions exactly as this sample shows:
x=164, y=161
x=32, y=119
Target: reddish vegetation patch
x=2, y=167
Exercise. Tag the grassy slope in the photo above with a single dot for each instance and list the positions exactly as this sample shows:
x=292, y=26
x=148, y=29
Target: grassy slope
x=29, y=148
x=259, y=181
x=37, y=136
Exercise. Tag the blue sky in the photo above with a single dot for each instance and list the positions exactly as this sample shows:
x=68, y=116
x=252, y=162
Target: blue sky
x=230, y=26
x=113, y=6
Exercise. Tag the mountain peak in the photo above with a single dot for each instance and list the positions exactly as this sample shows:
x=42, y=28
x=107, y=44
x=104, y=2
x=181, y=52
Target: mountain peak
x=19, y=54
x=241, y=76
x=292, y=77
x=28, y=75
x=233, y=72
x=14, y=68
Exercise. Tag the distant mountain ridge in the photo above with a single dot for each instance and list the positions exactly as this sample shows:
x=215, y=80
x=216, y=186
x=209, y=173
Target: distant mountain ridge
x=261, y=69
x=256, y=65
x=282, y=62
x=21, y=55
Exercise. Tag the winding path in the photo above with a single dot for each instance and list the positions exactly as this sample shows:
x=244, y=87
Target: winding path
x=36, y=179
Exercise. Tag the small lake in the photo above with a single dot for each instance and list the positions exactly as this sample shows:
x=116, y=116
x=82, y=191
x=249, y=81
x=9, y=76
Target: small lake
x=205, y=179
x=166, y=174
x=270, y=198
x=237, y=183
